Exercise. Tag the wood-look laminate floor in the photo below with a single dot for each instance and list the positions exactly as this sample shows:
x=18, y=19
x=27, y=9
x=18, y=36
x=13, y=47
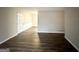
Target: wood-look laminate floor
x=32, y=41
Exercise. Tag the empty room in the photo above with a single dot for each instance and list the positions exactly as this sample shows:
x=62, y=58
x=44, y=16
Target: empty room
x=39, y=29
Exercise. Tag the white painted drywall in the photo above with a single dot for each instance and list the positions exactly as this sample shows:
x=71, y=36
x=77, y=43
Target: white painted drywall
x=35, y=18
x=72, y=26
x=8, y=25
x=9, y=22
x=51, y=21
x=24, y=20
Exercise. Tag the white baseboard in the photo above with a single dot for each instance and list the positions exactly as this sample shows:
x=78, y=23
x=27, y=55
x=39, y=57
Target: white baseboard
x=24, y=29
x=50, y=31
x=72, y=43
x=14, y=35
x=8, y=38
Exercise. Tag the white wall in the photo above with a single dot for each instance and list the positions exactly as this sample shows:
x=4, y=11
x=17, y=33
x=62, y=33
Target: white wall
x=27, y=18
x=35, y=18
x=9, y=22
x=8, y=25
x=72, y=26
x=24, y=20
x=51, y=21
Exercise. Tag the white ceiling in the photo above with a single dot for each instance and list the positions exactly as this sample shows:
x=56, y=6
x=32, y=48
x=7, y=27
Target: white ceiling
x=43, y=8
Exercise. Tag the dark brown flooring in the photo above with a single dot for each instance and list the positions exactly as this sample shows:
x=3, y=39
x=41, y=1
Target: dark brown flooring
x=31, y=41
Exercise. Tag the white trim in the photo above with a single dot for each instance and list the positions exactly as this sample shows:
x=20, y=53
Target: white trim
x=72, y=43
x=9, y=38
x=24, y=30
x=51, y=31
x=25, y=27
